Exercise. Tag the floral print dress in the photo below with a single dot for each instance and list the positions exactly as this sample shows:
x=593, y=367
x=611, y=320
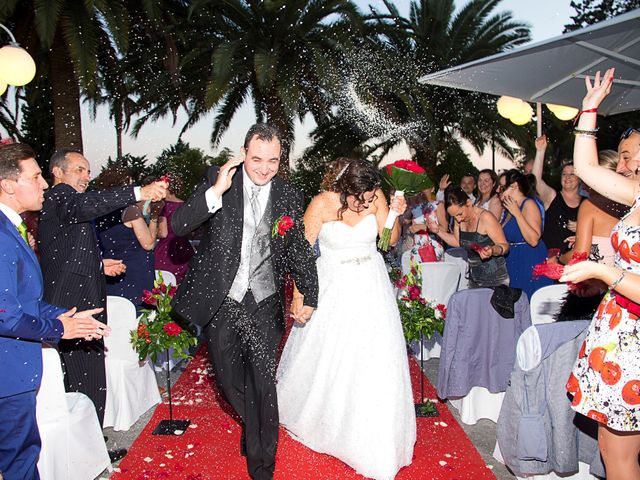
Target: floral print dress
x=605, y=381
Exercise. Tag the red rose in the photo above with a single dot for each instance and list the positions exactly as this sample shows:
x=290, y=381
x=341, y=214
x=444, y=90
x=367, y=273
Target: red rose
x=442, y=308
x=401, y=282
x=408, y=165
x=172, y=329
x=414, y=292
x=172, y=290
x=162, y=288
x=147, y=297
x=165, y=179
x=286, y=223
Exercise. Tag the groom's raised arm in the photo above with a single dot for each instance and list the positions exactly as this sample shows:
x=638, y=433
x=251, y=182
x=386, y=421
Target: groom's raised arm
x=301, y=260
x=206, y=199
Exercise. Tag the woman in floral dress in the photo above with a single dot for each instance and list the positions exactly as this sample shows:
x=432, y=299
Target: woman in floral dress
x=605, y=382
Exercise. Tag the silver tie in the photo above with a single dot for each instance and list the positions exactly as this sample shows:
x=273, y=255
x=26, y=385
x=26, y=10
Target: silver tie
x=255, y=204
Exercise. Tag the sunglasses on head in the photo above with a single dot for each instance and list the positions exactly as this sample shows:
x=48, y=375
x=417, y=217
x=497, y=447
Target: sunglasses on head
x=627, y=133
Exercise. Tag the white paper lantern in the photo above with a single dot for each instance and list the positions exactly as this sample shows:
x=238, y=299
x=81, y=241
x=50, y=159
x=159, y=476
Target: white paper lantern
x=508, y=106
x=16, y=65
x=523, y=115
x=563, y=112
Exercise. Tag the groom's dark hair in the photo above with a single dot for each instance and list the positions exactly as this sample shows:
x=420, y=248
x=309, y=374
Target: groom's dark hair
x=264, y=131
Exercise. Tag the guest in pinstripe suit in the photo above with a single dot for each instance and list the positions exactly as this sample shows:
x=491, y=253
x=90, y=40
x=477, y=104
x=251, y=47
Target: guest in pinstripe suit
x=74, y=272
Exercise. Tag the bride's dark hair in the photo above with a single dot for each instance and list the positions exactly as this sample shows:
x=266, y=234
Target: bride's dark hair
x=348, y=176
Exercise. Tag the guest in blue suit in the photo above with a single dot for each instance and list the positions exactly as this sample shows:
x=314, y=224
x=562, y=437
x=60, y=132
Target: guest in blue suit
x=25, y=319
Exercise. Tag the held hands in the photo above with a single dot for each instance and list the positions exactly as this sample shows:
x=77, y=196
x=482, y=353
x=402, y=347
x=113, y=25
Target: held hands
x=541, y=143
x=398, y=204
x=225, y=175
x=154, y=191
x=113, y=267
x=597, y=92
x=299, y=312
x=83, y=325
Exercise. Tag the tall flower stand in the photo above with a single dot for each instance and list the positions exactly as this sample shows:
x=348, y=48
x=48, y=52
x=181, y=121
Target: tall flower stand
x=424, y=409
x=171, y=426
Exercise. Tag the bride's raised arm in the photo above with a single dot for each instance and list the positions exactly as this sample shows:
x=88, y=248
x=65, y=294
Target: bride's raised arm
x=585, y=154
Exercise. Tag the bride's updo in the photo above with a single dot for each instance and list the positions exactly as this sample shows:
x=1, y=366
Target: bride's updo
x=348, y=176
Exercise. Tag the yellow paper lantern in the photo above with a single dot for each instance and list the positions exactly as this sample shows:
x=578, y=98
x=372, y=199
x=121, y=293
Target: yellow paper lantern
x=508, y=106
x=16, y=65
x=3, y=88
x=563, y=112
x=523, y=115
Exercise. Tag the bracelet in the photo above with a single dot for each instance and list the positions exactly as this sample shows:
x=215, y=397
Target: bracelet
x=501, y=249
x=589, y=130
x=589, y=110
x=586, y=135
x=618, y=280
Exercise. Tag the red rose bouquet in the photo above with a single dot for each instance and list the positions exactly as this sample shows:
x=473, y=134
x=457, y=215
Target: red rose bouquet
x=157, y=332
x=406, y=177
x=419, y=315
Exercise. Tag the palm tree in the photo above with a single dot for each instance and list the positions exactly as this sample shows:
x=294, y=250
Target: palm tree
x=431, y=38
x=275, y=52
x=65, y=37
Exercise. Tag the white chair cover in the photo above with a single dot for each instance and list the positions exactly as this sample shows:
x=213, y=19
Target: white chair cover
x=168, y=277
x=478, y=403
x=439, y=281
x=73, y=447
x=131, y=385
x=450, y=257
x=405, y=262
x=546, y=303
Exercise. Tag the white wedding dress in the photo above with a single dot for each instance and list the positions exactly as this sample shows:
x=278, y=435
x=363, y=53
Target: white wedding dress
x=343, y=379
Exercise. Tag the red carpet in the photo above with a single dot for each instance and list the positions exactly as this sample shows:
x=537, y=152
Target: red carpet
x=210, y=447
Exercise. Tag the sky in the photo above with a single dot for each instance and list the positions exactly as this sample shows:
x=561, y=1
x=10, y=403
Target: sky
x=546, y=18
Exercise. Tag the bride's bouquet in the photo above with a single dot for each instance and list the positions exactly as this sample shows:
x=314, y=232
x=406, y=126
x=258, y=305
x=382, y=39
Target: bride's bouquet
x=406, y=177
x=419, y=315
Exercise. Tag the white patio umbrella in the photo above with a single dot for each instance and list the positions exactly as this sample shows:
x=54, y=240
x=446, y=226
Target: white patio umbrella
x=553, y=71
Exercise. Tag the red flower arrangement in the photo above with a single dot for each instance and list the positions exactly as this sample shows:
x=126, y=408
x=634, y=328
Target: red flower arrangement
x=419, y=316
x=282, y=225
x=408, y=165
x=157, y=332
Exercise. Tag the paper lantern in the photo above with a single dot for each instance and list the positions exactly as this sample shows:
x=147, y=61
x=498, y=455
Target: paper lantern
x=523, y=115
x=16, y=65
x=3, y=88
x=563, y=112
x=508, y=106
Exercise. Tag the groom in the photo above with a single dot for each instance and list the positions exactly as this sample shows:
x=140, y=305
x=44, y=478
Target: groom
x=235, y=284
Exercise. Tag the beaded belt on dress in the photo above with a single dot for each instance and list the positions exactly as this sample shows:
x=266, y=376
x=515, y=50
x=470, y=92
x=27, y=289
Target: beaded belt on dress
x=357, y=260
x=517, y=243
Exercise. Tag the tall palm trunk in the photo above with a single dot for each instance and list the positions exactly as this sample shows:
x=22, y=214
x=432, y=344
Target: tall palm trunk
x=276, y=116
x=65, y=97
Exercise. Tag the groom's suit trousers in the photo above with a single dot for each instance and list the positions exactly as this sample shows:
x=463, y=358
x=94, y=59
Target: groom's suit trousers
x=243, y=340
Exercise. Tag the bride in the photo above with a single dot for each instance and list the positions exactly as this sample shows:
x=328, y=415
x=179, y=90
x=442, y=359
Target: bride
x=343, y=380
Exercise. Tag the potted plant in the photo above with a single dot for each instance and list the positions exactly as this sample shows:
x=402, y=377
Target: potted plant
x=421, y=318
x=158, y=333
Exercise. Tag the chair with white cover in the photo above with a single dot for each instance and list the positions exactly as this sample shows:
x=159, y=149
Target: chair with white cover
x=168, y=277
x=439, y=281
x=478, y=353
x=132, y=388
x=73, y=447
x=546, y=303
x=459, y=257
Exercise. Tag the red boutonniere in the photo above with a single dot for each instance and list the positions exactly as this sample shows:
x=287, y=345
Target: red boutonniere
x=284, y=223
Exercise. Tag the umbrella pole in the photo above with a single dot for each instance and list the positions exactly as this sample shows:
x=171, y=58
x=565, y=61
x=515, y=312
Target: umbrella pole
x=539, y=118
